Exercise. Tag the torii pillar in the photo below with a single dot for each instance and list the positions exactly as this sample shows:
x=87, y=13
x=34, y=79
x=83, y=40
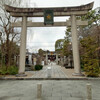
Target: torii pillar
x=46, y=58
x=75, y=46
x=21, y=71
x=57, y=58
x=73, y=23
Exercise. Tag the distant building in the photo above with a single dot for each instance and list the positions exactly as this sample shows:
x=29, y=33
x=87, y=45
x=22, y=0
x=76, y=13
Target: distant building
x=97, y=11
x=52, y=55
x=28, y=57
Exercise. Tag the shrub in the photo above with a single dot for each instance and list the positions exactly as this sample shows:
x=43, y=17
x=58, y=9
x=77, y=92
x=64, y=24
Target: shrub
x=89, y=61
x=38, y=67
x=3, y=70
x=92, y=68
x=12, y=70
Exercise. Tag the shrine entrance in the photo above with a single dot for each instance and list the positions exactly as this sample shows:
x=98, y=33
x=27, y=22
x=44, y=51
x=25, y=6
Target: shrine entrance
x=73, y=12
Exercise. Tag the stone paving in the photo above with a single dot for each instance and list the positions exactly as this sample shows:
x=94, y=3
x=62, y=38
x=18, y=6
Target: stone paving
x=56, y=72
x=51, y=90
x=69, y=72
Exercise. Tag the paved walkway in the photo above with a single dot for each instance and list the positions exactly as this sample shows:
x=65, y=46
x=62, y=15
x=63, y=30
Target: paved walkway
x=51, y=90
x=55, y=72
x=69, y=73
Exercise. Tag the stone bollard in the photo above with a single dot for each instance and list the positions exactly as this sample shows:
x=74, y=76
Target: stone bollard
x=49, y=72
x=89, y=92
x=39, y=91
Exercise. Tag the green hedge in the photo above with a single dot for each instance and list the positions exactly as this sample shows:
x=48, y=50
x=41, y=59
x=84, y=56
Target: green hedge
x=12, y=70
x=92, y=68
x=38, y=67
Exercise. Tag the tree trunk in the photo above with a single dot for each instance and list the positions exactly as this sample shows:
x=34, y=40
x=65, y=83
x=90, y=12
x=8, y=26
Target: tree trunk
x=7, y=52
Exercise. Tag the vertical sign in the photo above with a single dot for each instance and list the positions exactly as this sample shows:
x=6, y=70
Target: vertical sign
x=48, y=17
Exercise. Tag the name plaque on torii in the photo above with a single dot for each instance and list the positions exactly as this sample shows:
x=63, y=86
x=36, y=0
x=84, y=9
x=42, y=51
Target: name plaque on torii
x=57, y=11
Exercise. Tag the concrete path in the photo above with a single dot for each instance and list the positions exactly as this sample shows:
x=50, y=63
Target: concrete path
x=55, y=72
x=51, y=90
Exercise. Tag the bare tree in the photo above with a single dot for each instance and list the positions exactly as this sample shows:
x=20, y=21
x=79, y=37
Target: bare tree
x=7, y=32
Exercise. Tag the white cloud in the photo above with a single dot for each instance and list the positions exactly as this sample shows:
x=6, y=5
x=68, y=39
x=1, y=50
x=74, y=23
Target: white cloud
x=45, y=37
x=63, y=3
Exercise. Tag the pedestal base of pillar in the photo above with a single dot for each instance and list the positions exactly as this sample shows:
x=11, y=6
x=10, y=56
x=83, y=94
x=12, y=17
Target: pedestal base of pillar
x=21, y=75
x=77, y=74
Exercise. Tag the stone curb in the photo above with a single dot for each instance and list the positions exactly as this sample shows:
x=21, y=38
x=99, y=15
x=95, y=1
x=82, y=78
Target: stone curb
x=19, y=78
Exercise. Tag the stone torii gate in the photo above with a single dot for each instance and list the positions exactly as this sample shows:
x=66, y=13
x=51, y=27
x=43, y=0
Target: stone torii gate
x=39, y=12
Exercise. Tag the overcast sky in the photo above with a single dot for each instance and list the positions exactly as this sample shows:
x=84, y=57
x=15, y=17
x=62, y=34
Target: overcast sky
x=45, y=37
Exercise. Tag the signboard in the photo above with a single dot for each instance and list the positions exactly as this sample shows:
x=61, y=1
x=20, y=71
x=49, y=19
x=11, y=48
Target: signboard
x=48, y=17
x=51, y=53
